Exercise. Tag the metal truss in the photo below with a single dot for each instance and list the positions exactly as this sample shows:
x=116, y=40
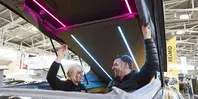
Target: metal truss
x=22, y=36
x=14, y=35
x=187, y=37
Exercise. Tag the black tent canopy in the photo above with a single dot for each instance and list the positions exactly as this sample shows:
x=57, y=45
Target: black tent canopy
x=95, y=25
x=72, y=12
x=104, y=43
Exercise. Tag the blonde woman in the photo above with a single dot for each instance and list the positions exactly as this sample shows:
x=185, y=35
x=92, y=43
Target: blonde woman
x=74, y=74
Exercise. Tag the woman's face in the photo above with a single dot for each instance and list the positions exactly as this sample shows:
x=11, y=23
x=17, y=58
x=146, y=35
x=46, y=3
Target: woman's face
x=77, y=75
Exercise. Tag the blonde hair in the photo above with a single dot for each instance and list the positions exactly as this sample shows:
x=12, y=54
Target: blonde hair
x=72, y=68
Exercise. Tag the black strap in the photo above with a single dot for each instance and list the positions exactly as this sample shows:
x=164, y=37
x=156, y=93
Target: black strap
x=57, y=55
x=84, y=74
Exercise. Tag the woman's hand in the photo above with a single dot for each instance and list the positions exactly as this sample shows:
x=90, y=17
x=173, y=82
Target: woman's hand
x=61, y=53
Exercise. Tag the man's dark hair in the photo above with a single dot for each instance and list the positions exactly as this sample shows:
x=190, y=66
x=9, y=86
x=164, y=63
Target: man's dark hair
x=127, y=59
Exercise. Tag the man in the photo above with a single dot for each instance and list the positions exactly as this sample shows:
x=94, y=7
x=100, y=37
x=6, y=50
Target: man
x=130, y=80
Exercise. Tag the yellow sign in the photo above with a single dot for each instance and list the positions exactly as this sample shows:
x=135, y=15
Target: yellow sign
x=171, y=51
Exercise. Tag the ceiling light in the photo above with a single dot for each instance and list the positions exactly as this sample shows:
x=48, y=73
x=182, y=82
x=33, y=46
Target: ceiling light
x=49, y=13
x=90, y=56
x=34, y=28
x=127, y=45
x=184, y=16
x=180, y=32
x=128, y=6
x=175, y=15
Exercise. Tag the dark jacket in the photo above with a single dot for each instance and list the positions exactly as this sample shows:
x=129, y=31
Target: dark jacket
x=57, y=84
x=136, y=80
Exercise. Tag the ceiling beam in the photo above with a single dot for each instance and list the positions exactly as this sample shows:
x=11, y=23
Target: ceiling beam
x=174, y=25
x=32, y=36
x=186, y=42
x=176, y=4
x=180, y=20
x=171, y=2
x=4, y=11
x=181, y=10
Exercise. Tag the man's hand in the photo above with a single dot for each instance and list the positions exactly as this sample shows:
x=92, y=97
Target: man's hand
x=61, y=53
x=146, y=32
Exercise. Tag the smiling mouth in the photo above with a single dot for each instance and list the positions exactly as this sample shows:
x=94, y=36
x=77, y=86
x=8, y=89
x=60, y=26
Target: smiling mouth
x=115, y=73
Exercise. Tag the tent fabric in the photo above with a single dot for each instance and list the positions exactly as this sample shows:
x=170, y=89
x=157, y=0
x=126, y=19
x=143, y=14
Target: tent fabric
x=114, y=45
x=146, y=92
x=104, y=42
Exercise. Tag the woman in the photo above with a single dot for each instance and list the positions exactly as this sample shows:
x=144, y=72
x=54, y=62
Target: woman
x=74, y=74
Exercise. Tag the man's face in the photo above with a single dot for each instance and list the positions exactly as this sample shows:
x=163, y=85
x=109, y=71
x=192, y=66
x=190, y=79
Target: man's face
x=118, y=67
